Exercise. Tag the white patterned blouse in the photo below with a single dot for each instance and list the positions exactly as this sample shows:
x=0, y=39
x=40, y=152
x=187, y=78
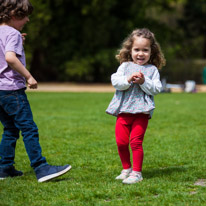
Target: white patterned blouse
x=134, y=98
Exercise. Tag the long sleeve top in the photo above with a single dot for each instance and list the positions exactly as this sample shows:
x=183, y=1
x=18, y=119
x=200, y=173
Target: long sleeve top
x=134, y=98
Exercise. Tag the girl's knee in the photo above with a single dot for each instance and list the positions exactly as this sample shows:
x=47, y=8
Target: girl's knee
x=122, y=144
x=136, y=145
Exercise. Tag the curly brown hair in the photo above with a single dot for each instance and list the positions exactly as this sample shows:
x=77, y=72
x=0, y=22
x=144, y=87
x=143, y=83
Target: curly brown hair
x=156, y=58
x=16, y=8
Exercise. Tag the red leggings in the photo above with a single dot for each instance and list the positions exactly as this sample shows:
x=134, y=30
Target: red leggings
x=130, y=129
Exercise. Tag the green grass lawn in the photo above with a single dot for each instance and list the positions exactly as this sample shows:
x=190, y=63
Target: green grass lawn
x=75, y=129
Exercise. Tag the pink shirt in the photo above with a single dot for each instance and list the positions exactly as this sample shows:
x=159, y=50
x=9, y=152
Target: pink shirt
x=11, y=40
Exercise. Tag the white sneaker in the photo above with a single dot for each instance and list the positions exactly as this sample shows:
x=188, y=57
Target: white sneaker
x=134, y=177
x=124, y=174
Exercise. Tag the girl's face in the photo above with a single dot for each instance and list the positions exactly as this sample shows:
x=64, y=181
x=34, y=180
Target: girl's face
x=141, y=50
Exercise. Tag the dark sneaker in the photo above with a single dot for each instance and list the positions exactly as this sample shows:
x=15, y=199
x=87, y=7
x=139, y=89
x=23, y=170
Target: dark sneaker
x=9, y=172
x=49, y=172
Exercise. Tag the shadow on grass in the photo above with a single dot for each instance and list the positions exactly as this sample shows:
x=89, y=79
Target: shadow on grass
x=164, y=171
x=59, y=179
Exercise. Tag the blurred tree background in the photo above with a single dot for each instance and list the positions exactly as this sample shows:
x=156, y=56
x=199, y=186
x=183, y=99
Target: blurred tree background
x=74, y=40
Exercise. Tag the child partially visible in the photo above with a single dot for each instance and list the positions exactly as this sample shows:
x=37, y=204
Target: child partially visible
x=15, y=111
x=136, y=81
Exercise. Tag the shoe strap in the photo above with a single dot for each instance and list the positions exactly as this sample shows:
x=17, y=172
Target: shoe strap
x=126, y=171
x=135, y=174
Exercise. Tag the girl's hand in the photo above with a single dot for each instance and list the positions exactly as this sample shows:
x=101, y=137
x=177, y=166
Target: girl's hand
x=139, y=79
x=23, y=35
x=132, y=77
x=136, y=78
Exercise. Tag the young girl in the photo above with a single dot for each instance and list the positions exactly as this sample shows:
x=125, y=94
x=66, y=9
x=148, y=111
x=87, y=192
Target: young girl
x=136, y=81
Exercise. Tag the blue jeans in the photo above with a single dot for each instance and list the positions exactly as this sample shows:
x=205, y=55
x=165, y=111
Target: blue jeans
x=16, y=116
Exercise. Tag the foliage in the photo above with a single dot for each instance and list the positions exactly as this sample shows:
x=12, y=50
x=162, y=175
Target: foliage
x=77, y=40
x=193, y=23
x=74, y=129
x=180, y=70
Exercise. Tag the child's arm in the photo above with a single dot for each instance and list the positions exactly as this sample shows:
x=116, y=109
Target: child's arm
x=152, y=86
x=16, y=65
x=119, y=80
